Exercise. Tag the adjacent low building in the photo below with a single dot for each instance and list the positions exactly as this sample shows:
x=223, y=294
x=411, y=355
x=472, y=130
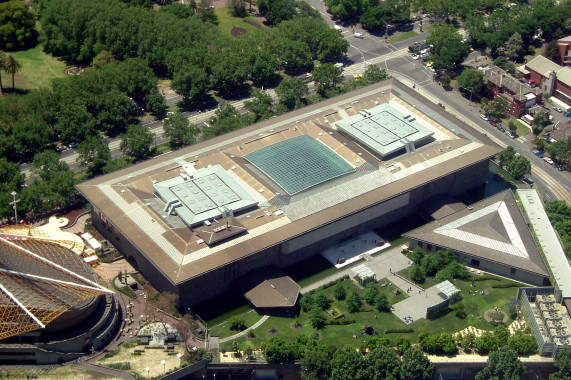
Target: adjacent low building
x=199, y=220
x=519, y=95
x=491, y=235
x=551, y=78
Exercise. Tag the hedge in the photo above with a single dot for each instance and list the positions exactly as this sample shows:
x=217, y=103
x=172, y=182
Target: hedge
x=401, y=330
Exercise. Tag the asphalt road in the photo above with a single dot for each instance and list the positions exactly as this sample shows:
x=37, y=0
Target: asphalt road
x=394, y=58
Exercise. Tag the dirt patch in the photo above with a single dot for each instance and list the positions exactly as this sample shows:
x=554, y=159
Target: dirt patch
x=296, y=327
x=273, y=332
x=236, y=31
x=73, y=70
x=253, y=23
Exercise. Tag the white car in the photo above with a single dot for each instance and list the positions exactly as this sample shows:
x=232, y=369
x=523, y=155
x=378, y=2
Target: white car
x=337, y=27
x=548, y=160
x=415, y=56
x=485, y=117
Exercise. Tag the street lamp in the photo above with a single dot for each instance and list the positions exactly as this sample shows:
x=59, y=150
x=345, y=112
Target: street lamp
x=164, y=366
x=179, y=355
x=147, y=369
x=14, y=203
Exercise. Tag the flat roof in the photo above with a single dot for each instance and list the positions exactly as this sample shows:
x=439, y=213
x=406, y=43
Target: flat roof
x=128, y=202
x=548, y=239
x=199, y=195
x=384, y=129
x=298, y=163
x=493, y=229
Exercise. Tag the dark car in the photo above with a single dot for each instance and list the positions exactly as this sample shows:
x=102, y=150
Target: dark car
x=72, y=145
x=501, y=128
x=529, y=181
x=60, y=148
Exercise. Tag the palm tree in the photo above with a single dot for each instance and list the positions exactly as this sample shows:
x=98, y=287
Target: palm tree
x=2, y=66
x=12, y=66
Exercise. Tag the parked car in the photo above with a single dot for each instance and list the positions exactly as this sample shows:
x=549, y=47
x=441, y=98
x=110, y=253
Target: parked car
x=415, y=56
x=557, y=109
x=501, y=128
x=529, y=181
x=61, y=148
x=568, y=113
x=72, y=145
x=538, y=154
x=548, y=160
x=484, y=116
x=511, y=134
x=498, y=177
x=493, y=123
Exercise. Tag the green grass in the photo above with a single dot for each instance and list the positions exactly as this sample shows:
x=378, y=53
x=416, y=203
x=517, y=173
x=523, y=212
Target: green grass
x=226, y=21
x=339, y=335
x=224, y=331
x=226, y=316
x=38, y=69
x=403, y=36
x=428, y=29
x=522, y=129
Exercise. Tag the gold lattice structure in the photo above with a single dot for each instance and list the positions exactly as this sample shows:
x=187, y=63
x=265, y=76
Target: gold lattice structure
x=39, y=281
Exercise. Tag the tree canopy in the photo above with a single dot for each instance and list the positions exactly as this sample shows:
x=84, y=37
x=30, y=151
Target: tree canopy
x=449, y=49
x=17, y=27
x=503, y=364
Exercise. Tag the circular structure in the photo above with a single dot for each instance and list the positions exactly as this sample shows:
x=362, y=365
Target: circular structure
x=237, y=31
x=495, y=315
x=73, y=70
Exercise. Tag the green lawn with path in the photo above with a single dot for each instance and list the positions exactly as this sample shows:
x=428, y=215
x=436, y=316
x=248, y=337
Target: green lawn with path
x=338, y=335
x=226, y=21
x=223, y=329
x=38, y=69
x=507, y=176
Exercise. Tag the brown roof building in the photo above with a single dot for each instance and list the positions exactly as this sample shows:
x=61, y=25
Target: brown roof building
x=285, y=189
x=491, y=235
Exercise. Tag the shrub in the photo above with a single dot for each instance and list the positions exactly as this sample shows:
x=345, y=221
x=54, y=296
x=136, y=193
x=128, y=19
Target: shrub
x=417, y=274
x=523, y=344
x=306, y=302
x=371, y=293
x=321, y=300
x=237, y=323
x=354, y=302
x=316, y=318
x=399, y=330
x=382, y=303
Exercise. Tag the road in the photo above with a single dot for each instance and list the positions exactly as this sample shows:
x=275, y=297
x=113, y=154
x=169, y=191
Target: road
x=394, y=58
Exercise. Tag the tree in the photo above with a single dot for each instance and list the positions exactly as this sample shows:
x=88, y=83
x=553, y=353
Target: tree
x=156, y=103
x=316, y=365
x=94, y=153
x=306, y=302
x=276, y=11
x=340, y=292
x=179, y=130
x=11, y=179
x=371, y=293
x=291, y=91
x=237, y=8
x=326, y=77
x=31, y=135
x=519, y=167
x=277, y=351
x=563, y=362
x=105, y=57
x=382, y=303
x=383, y=363
x=449, y=49
x=12, y=66
x=346, y=9
x=523, y=344
x=496, y=108
x=417, y=255
x=507, y=156
x=487, y=342
x=354, y=302
x=417, y=274
x=468, y=341
x=375, y=74
x=262, y=65
x=471, y=80
x=260, y=104
x=401, y=345
x=459, y=309
x=17, y=29
x=321, y=300
x=137, y=142
x=503, y=364
x=47, y=165
x=191, y=82
x=539, y=122
x=416, y=366
x=347, y=363
x=316, y=318
x=237, y=323
x=503, y=63
x=514, y=47
x=2, y=66
x=552, y=51
x=205, y=11
x=512, y=126
x=445, y=80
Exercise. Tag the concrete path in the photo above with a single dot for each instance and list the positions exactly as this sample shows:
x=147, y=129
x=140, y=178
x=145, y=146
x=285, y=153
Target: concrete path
x=242, y=333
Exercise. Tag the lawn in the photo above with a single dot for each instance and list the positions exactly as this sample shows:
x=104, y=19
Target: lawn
x=63, y=372
x=403, y=36
x=522, y=129
x=223, y=329
x=38, y=69
x=226, y=21
x=338, y=335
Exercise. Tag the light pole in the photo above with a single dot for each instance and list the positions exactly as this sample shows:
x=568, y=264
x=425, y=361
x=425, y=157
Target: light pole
x=179, y=355
x=14, y=203
x=147, y=369
x=164, y=366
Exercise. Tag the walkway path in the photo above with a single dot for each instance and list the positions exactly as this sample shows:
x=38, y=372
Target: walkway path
x=108, y=371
